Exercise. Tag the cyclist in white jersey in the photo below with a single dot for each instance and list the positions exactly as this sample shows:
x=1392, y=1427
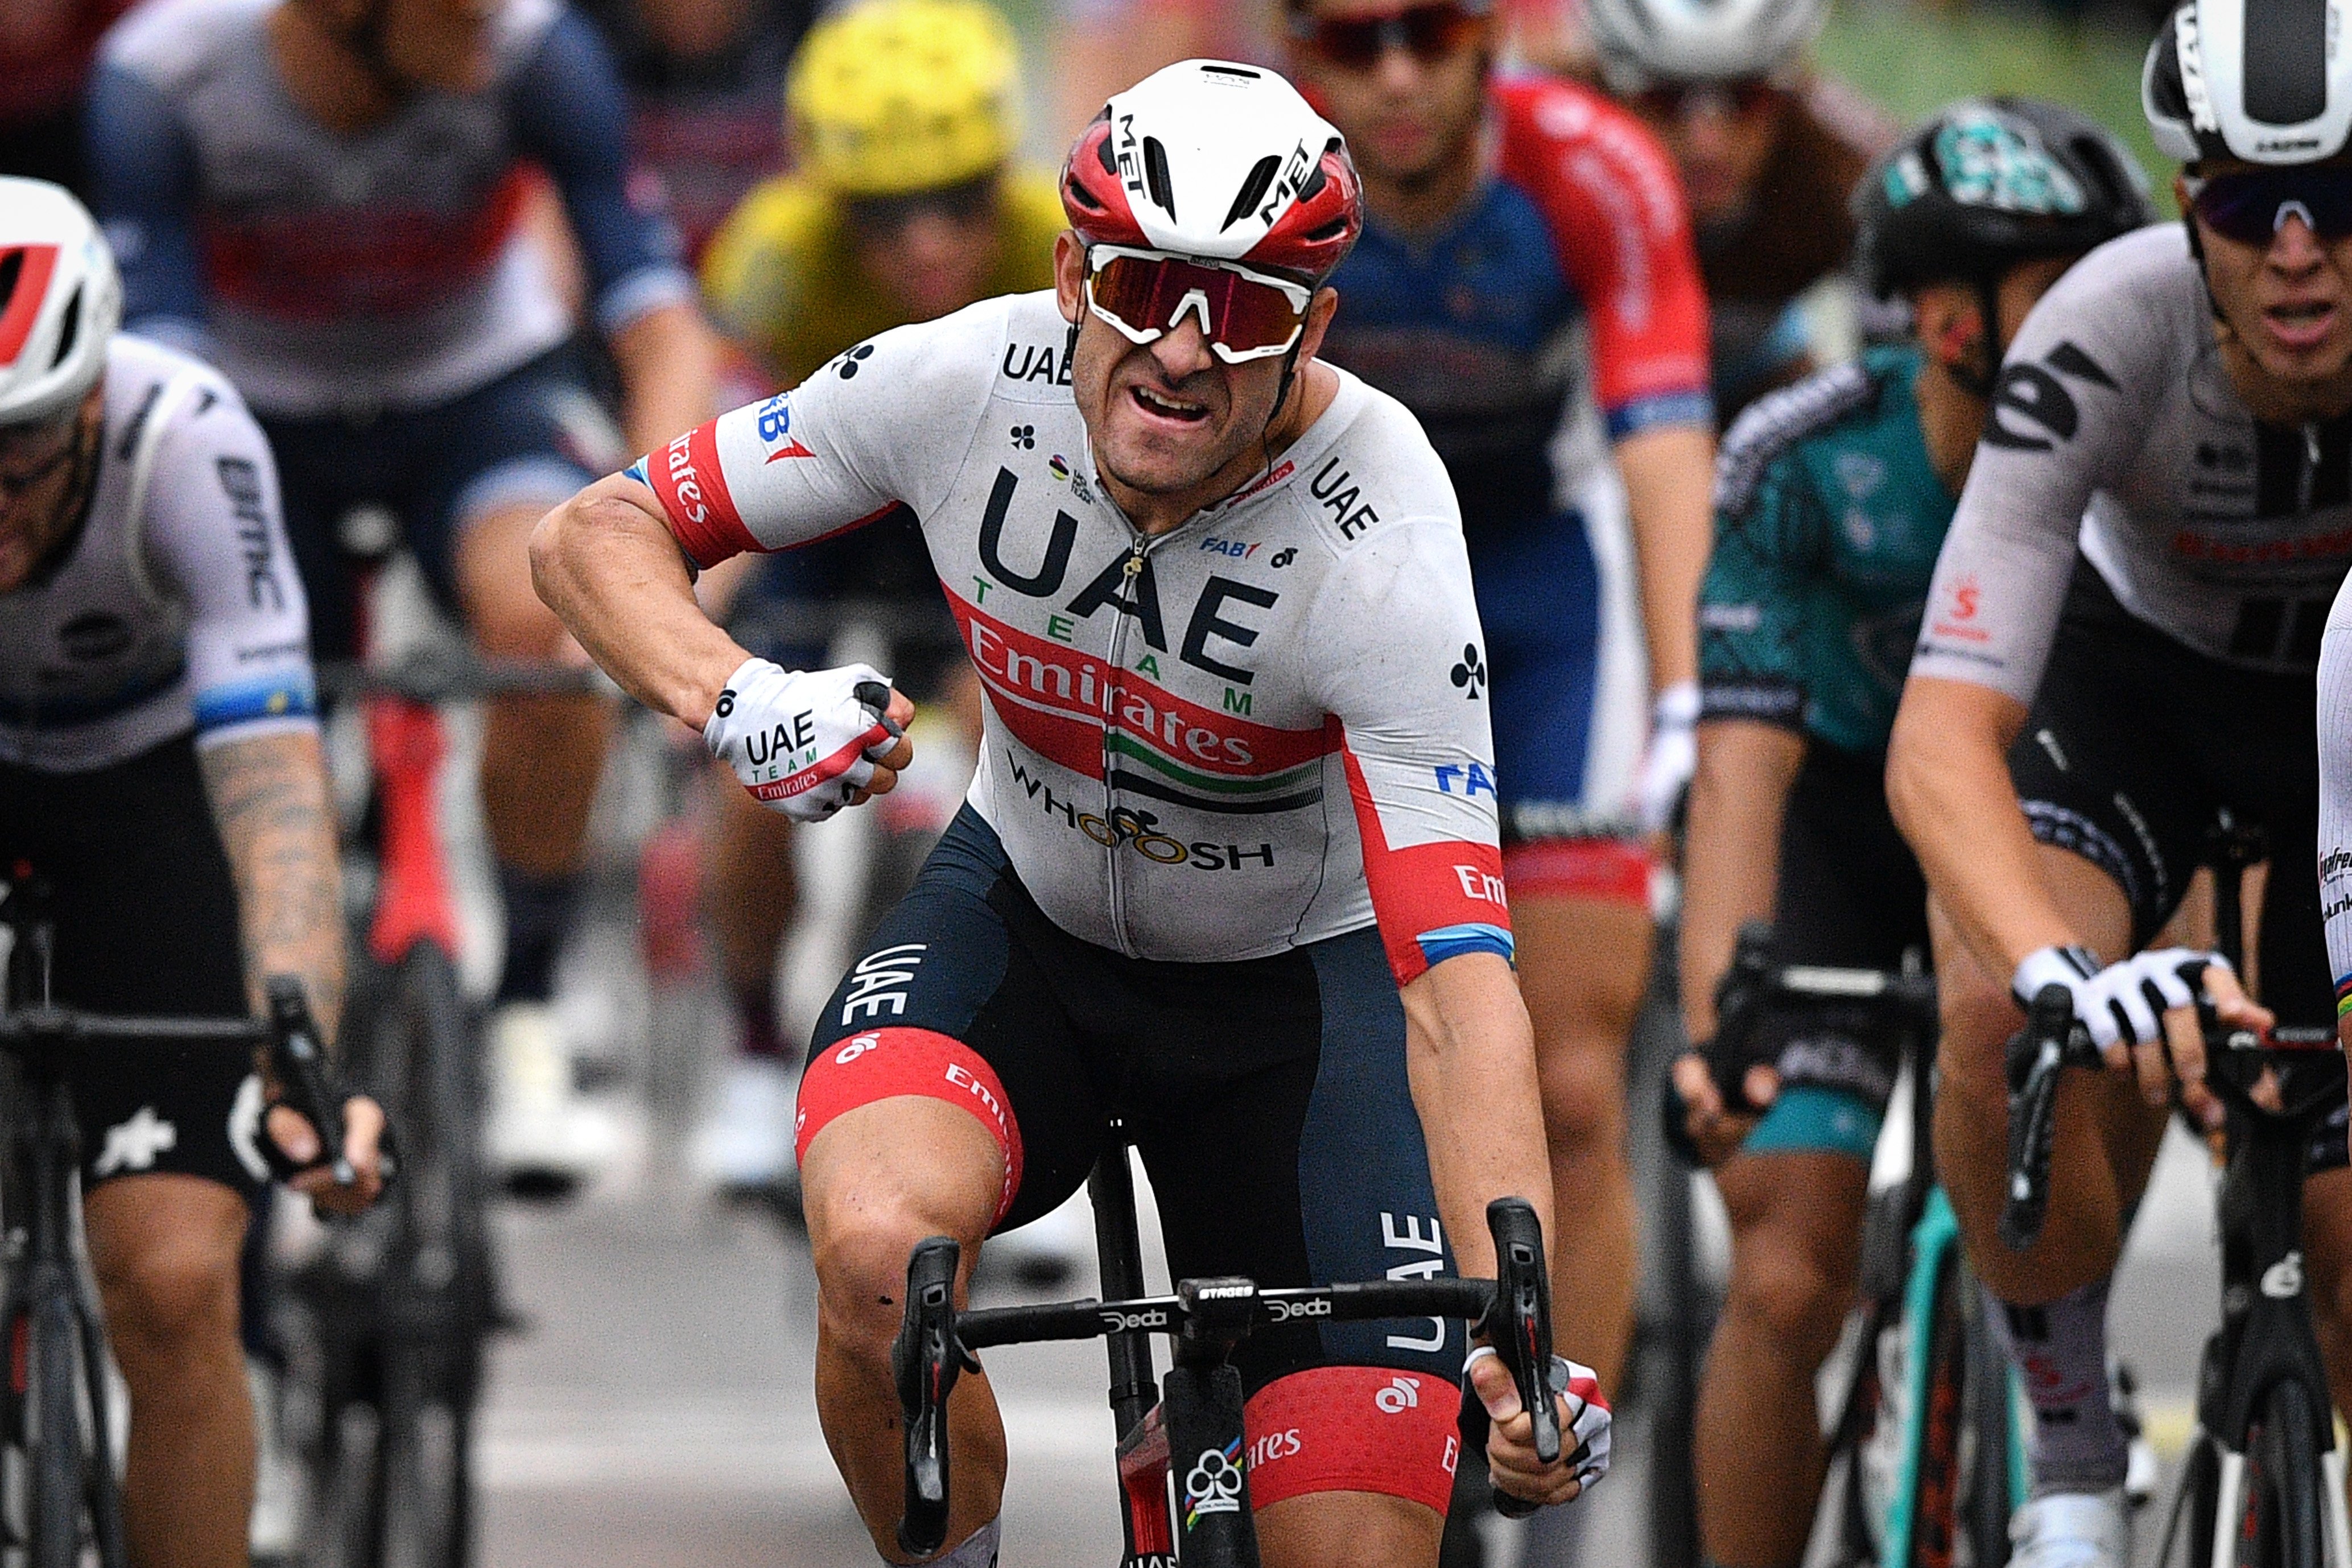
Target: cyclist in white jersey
x=2119, y=642
x=1223, y=874
x=160, y=768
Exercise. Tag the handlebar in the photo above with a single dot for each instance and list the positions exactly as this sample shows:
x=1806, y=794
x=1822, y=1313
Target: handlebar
x=436, y=674
x=935, y=1343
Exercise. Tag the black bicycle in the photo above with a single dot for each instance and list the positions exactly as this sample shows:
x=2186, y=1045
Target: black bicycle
x=2262, y=1486
x=1183, y=1484
x=57, y=1424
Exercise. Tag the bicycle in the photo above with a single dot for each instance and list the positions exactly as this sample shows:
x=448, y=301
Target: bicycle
x=57, y=1426
x=1926, y=1452
x=2262, y=1486
x=1183, y=1484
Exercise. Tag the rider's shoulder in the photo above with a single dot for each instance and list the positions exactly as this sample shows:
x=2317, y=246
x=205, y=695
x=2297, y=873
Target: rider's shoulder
x=1555, y=112
x=1777, y=426
x=1365, y=476
x=1545, y=126
x=140, y=372
x=2134, y=307
x=171, y=41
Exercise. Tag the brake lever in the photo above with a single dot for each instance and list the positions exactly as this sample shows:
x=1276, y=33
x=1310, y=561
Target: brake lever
x=873, y=694
x=2049, y=1042
x=304, y=1080
x=1519, y=1326
x=926, y=1359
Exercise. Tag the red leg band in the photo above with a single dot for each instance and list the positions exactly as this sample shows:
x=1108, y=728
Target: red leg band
x=1354, y=1430
x=882, y=1064
x=1609, y=870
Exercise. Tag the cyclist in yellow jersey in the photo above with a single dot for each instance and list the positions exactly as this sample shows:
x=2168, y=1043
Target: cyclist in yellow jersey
x=905, y=206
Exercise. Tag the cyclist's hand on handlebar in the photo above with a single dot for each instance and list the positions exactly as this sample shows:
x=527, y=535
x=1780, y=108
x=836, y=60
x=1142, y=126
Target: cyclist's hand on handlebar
x=808, y=743
x=2142, y=1014
x=2233, y=1007
x=362, y=1135
x=1510, y=1446
x=1716, y=1129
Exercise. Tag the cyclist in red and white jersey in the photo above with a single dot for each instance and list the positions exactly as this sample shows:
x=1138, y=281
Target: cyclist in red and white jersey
x=1217, y=877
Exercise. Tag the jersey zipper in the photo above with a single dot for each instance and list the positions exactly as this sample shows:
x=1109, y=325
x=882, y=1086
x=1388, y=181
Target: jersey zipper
x=2309, y=477
x=1136, y=547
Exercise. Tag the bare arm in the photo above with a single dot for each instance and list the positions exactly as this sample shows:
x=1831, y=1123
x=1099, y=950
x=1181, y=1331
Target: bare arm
x=1731, y=851
x=604, y=562
x=1947, y=782
x=1472, y=1058
x=1669, y=488
x=669, y=360
x=269, y=798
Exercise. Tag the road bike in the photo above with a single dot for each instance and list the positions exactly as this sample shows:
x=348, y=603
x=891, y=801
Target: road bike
x=1183, y=1484
x=2262, y=1486
x=59, y=1431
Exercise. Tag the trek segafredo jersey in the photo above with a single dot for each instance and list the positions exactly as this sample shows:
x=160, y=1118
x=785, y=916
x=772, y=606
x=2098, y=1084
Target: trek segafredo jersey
x=1249, y=734
x=177, y=607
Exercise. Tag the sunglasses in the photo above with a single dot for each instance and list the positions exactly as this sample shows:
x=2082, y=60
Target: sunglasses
x=1428, y=33
x=1244, y=315
x=886, y=216
x=1687, y=101
x=2252, y=206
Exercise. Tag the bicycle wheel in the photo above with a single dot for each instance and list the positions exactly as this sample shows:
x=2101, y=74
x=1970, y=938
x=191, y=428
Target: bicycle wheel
x=1960, y=1485
x=2280, y=1512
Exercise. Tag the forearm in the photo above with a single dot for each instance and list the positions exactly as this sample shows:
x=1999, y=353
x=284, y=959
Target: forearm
x=612, y=574
x=1472, y=1059
x=1731, y=850
x=668, y=361
x=1948, y=784
x=269, y=798
x=1669, y=487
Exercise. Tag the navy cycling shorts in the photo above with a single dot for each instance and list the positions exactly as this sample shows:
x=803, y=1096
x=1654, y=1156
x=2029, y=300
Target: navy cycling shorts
x=1267, y=1097
x=533, y=438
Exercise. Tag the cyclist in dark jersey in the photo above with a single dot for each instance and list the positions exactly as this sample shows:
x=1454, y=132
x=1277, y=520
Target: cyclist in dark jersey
x=1830, y=504
x=1507, y=222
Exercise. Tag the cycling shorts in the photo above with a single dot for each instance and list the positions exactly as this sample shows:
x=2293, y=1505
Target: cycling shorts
x=1567, y=687
x=2135, y=743
x=789, y=610
x=1267, y=1097
x=1851, y=897
x=146, y=923
x=531, y=438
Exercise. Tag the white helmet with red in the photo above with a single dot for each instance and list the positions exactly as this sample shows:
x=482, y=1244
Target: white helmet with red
x=60, y=301
x=1210, y=159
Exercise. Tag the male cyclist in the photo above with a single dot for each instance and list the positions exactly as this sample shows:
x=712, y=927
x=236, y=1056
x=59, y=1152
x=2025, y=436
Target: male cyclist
x=328, y=195
x=159, y=768
x=1768, y=151
x=1502, y=217
x=905, y=208
x=2119, y=642
x=1217, y=877
x=1833, y=500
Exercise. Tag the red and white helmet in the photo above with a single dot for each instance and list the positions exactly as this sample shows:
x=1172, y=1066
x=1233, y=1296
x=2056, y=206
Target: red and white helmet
x=60, y=300
x=1210, y=159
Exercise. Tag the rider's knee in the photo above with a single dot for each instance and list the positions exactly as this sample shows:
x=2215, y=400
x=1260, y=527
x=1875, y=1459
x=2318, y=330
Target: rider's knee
x=176, y=1292
x=1978, y=1016
x=1583, y=1099
x=859, y=1245
x=1795, y=1295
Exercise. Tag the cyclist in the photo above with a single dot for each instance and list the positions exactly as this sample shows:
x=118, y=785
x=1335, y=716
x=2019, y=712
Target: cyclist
x=160, y=768
x=1833, y=498
x=328, y=195
x=1217, y=594
x=904, y=209
x=2120, y=641
x=1768, y=151
x=45, y=50
x=1502, y=217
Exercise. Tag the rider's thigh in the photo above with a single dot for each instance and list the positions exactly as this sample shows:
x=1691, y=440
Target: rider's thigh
x=1348, y=1529
x=2328, y=1268
x=165, y=1250
x=494, y=588
x=1796, y=1241
x=1584, y=967
x=881, y=1177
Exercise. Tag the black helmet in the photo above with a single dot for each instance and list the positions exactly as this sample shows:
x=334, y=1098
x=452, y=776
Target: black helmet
x=1987, y=184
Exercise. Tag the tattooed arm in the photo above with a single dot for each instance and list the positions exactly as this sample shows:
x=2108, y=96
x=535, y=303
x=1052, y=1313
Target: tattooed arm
x=269, y=798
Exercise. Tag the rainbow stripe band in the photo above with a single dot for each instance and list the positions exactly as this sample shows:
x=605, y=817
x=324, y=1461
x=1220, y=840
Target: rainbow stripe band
x=2344, y=995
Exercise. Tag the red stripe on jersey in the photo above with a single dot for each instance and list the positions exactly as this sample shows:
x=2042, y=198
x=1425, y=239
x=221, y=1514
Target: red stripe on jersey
x=1423, y=888
x=693, y=491
x=22, y=308
x=1058, y=701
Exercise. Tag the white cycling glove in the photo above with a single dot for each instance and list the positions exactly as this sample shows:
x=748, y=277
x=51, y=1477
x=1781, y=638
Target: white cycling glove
x=800, y=741
x=1588, y=1412
x=1671, y=757
x=2123, y=1003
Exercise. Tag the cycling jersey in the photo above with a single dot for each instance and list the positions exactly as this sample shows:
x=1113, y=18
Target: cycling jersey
x=783, y=275
x=176, y=609
x=1828, y=518
x=2115, y=424
x=388, y=269
x=1240, y=736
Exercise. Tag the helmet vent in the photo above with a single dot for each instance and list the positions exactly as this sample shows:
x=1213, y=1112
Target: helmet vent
x=1155, y=175
x=1253, y=191
x=72, y=330
x=2287, y=61
x=12, y=269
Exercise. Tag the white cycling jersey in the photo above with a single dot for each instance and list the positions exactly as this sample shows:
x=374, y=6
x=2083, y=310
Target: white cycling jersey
x=177, y=607
x=1255, y=731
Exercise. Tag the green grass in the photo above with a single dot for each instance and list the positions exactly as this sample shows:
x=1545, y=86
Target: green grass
x=1913, y=60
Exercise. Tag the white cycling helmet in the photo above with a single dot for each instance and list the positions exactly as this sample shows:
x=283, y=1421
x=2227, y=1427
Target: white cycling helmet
x=1644, y=43
x=60, y=300
x=2263, y=81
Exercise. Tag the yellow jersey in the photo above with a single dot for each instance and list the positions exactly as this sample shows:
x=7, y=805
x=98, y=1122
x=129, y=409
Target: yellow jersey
x=781, y=273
